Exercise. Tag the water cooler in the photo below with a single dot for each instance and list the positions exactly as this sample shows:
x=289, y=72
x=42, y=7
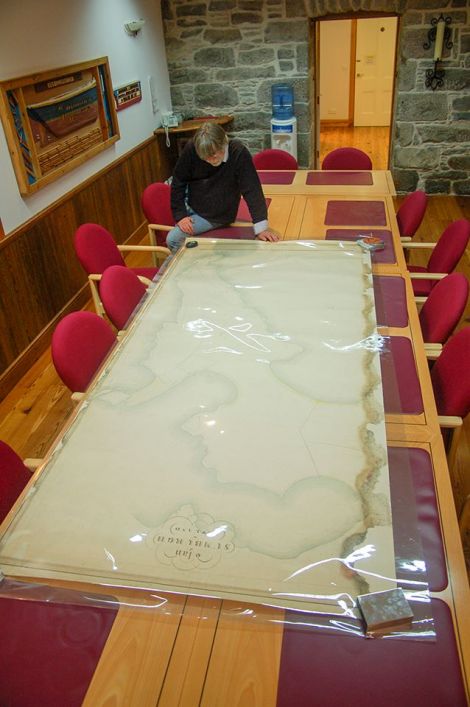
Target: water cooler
x=283, y=122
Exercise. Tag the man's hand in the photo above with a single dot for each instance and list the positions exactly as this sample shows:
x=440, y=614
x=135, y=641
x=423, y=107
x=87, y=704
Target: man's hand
x=186, y=225
x=268, y=235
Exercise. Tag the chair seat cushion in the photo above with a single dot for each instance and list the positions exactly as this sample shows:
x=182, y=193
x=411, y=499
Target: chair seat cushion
x=421, y=288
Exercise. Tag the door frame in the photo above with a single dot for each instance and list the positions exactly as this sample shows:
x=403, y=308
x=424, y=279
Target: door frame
x=314, y=71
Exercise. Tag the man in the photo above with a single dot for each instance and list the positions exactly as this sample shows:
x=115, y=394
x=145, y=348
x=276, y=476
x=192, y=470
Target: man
x=210, y=176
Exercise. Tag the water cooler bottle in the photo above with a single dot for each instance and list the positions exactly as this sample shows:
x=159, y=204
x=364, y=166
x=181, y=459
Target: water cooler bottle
x=283, y=122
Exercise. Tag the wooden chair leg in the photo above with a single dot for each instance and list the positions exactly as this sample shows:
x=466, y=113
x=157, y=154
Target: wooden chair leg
x=153, y=241
x=452, y=453
x=464, y=519
x=96, y=298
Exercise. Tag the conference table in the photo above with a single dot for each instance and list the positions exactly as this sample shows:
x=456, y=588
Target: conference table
x=260, y=448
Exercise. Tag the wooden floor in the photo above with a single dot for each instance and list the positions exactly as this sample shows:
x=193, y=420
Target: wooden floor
x=373, y=141
x=35, y=410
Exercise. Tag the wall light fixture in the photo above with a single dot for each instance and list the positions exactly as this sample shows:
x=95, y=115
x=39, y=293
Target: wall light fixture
x=440, y=35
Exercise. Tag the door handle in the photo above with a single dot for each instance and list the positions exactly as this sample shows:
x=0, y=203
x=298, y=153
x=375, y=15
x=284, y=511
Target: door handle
x=359, y=75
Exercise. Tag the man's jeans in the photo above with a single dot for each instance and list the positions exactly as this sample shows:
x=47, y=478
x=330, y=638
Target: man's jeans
x=176, y=236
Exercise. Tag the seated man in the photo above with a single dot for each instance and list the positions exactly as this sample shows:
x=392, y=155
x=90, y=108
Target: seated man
x=210, y=176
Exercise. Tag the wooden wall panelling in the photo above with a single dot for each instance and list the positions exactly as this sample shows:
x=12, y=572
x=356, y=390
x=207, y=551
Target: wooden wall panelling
x=40, y=277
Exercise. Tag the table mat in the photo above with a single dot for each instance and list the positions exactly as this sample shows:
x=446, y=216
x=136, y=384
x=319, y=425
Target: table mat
x=319, y=667
x=400, y=382
x=283, y=177
x=387, y=255
x=233, y=232
x=390, y=301
x=243, y=213
x=405, y=463
x=50, y=648
x=339, y=178
x=355, y=213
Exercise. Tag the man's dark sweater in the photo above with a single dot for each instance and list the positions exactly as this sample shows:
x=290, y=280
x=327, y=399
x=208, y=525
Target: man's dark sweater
x=214, y=192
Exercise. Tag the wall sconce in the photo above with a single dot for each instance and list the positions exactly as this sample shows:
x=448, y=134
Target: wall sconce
x=133, y=27
x=439, y=34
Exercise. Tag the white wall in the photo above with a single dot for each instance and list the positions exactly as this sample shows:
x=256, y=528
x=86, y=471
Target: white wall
x=335, y=48
x=46, y=34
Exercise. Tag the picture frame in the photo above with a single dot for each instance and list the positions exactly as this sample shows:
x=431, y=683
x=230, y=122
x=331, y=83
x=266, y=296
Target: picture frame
x=56, y=120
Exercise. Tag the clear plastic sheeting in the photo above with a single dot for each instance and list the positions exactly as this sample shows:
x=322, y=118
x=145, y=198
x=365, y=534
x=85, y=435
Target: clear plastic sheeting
x=234, y=446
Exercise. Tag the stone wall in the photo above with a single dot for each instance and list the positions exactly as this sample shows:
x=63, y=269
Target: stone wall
x=431, y=136
x=224, y=56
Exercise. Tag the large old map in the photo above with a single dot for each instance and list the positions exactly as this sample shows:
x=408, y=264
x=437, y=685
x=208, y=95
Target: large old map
x=235, y=444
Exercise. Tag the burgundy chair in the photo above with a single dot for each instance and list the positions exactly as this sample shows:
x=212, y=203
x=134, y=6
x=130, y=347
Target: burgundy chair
x=121, y=291
x=446, y=254
x=451, y=386
x=80, y=343
x=14, y=475
x=450, y=378
x=97, y=250
x=442, y=310
x=411, y=213
x=156, y=206
x=274, y=159
x=347, y=158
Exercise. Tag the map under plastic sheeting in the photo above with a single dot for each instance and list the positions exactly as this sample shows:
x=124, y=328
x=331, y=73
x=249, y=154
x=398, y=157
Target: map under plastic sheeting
x=234, y=446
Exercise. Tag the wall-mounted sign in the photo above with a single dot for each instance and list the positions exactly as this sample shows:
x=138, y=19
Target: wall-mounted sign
x=128, y=94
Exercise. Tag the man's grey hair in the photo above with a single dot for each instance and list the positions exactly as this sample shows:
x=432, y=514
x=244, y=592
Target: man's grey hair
x=209, y=139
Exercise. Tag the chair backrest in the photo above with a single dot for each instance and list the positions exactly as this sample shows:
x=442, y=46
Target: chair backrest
x=450, y=247
x=121, y=291
x=274, y=159
x=347, y=158
x=96, y=248
x=80, y=343
x=449, y=375
x=442, y=310
x=14, y=476
x=411, y=213
x=156, y=206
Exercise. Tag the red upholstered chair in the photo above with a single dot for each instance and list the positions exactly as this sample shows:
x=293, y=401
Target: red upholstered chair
x=446, y=254
x=156, y=206
x=14, y=475
x=274, y=159
x=80, y=343
x=451, y=385
x=411, y=213
x=442, y=310
x=97, y=250
x=347, y=158
x=121, y=291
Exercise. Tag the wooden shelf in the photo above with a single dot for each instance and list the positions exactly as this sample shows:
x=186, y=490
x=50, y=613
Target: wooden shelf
x=190, y=126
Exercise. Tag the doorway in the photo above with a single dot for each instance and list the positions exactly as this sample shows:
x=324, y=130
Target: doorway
x=355, y=62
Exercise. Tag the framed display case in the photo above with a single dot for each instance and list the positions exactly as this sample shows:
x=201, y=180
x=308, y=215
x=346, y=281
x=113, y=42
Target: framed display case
x=56, y=120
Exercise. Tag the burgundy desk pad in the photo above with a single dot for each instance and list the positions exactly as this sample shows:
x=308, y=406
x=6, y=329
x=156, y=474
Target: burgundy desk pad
x=355, y=213
x=50, y=649
x=236, y=232
x=320, y=668
x=390, y=301
x=283, y=177
x=400, y=383
x=337, y=177
x=411, y=475
x=387, y=255
x=243, y=213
